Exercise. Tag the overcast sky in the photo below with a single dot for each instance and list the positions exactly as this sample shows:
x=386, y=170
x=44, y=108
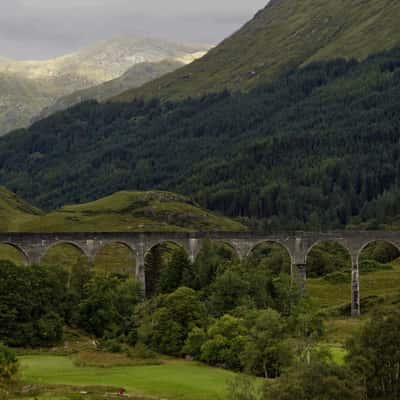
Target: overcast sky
x=37, y=29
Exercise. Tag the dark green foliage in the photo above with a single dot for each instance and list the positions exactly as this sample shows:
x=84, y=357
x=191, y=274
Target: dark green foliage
x=372, y=265
x=154, y=264
x=177, y=268
x=328, y=258
x=317, y=148
x=108, y=306
x=211, y=260
x=32, y=304
x=339, y=277
x=273, y=257
x=380, y=251
x=321, y=379
x=166, y=321
x=224, y=342
x=375, y=355
x=8, y=366
x=266, y=353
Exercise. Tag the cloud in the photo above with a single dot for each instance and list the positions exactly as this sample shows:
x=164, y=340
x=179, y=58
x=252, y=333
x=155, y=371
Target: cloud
x=45, y=28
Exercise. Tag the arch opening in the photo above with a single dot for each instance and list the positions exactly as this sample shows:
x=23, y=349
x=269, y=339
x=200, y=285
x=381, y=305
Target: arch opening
x=213, y=259
x=379, y=269
x=167, y=267
x=13, y=253
x=64, y=254
x=116, y=258
x=329, y=275
x=272, y=256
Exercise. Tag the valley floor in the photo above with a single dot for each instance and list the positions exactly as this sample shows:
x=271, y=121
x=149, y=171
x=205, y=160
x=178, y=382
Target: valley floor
x=174, y=379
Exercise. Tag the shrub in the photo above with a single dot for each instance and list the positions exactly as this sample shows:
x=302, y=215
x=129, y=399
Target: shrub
x=8, y=365
x=338, y=277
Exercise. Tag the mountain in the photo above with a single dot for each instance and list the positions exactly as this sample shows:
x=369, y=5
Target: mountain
x=284, y=35
x=136, y=76
x=318, y=147
x=27, y=87
x=122, y=211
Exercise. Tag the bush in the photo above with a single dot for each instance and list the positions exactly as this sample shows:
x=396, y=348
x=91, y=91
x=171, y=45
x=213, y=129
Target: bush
x=338, y=277
x=8, y=366
x=374, y=355
x=142, y=351
x=319, y=379
x=243, y=387
x=372, y=266
x=111, y=345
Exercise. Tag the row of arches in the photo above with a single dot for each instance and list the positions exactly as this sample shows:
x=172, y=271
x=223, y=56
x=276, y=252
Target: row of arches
x=328, y=264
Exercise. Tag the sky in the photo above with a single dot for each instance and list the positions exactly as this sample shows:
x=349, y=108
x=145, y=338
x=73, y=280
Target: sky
x=40, y=29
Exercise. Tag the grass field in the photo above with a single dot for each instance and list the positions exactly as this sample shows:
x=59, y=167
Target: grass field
x=384, y=284
x=175, y=380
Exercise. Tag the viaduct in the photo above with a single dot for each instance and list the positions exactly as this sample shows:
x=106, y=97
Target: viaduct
x=297, y=244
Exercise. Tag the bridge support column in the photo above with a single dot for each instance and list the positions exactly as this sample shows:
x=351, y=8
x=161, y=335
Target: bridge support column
x=34, y=254
x=299, y=276
x=355, y=290
x=194, y=247
x=140, y=268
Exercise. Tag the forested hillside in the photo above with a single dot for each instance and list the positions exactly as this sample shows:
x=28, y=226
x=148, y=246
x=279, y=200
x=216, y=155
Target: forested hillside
x=286, y=34
x=318, y=147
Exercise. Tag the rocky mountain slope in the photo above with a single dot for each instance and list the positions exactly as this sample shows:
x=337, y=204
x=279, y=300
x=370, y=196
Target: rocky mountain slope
x=285, y=35
x=27, y=87
x=136, y=76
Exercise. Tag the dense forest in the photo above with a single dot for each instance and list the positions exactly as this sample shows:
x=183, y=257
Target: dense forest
x=317, y=148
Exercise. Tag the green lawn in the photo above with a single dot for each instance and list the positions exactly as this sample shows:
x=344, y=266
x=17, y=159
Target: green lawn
x=173, y=380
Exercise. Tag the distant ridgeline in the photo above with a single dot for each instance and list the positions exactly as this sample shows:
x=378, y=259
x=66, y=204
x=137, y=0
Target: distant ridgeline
x=318, y=147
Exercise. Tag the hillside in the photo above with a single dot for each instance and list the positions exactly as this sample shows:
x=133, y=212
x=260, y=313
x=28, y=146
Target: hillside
x=123, y=211
x=14, y=211
x=319, y=147
x=136, y=76
x=284, y=35
x=30, y=86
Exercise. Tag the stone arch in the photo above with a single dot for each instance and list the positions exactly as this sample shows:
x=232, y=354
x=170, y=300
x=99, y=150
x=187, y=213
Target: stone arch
x=236, y=251
x=124, y=264
x=19, y=249
x=183, y=244
x=276, y=243
x=272, y=241
x=333, y=287
x=371, y=241
x=373, y=276
x=327, y=240
x=55, y=244
x=154, y=262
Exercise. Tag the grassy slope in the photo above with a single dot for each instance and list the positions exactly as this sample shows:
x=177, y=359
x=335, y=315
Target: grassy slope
x=122, y=211
x=385, y=284
x=131, y=212
x=15, y=211
x=284, y=35
x=178, y=380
